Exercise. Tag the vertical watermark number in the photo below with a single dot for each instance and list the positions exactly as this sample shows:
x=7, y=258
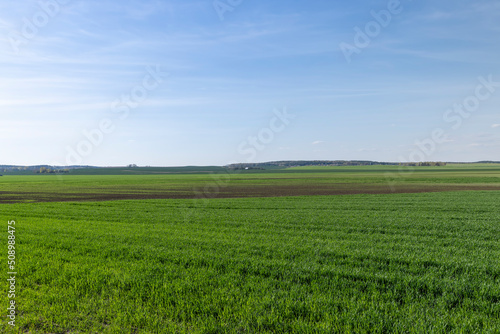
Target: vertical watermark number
x=11, y=309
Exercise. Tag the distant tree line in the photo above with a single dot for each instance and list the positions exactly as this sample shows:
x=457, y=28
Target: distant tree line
x=304, y=163
x=46, y=170
x=8, y=169
x=425, y=164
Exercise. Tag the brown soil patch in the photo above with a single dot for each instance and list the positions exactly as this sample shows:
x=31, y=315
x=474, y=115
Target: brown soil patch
x=247, y=191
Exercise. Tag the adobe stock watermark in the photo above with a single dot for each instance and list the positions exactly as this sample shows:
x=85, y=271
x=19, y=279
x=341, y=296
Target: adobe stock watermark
x=248, y=149
x=454, y=116
x=30, y=28
x=258, y=142
x=121, y=109
x=11, y=257
x=224, y=6
x=372, y=29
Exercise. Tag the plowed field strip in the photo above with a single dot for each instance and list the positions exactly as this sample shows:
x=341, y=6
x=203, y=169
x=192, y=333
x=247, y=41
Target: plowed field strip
x=242, y=191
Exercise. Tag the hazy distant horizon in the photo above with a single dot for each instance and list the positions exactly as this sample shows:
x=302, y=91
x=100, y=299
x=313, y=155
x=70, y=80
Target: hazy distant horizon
x=243, y=163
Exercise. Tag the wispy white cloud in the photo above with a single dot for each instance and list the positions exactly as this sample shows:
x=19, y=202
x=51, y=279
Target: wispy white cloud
x=437, y=15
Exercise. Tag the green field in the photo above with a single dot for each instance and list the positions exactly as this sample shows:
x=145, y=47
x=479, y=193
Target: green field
x=252, y=254
x=270, y=183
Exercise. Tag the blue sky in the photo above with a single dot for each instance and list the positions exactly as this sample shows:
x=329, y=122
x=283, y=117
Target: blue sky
x=67, y=66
